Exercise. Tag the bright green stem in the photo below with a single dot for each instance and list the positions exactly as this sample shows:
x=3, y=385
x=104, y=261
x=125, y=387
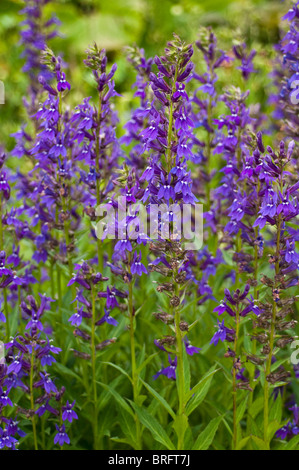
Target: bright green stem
x=208, y=162
x=135, y=384
x=93, y=364
x=58, y=272
x=67, y=241
x=271, y=342
x=238, y=249
x=32, y=400
x=59, y=112
x=235, y=424
x=69, y=257
x=100, y=256
x=66, y=224
x=253, y=348
x=180, y=372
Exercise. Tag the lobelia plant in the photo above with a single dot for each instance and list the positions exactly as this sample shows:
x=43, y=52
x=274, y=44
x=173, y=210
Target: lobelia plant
x=170, y=182
x=27, y=358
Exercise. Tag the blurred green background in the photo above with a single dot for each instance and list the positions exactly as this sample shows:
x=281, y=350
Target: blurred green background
x=114, y=24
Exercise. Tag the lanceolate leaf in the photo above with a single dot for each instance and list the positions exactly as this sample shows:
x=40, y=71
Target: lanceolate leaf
x=159, y=398
x=153, y=426
x=199, y=392
x=206, y=437
x=118, y=398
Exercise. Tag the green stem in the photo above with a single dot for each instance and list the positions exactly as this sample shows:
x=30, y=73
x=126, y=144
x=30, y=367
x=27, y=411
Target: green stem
x=253, y=347
x=93, y=363
x=66, y=228
x=59, y=112
x=235, y=424
x=256, y=296
x=32, y=400
x=135, y=384
x=271, y=342
x=66, y=209
x=238, y=249
x=69, y=257
x=180, y=372
x=208, y=186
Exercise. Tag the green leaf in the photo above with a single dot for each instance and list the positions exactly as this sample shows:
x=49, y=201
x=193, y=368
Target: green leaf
x=200, y=384
x=275, y=413
x=262, y=377
x=13, y=318
x=206, y=437
x=187, y=377
x=272, y=428
x=292, y=444
x=118, y=398
x=255, y=426
x=122, y=441
x=277, y=364
x=141, y=356
x=180, y=426
x=242, y=443
x=105, y=396
x=259, y=442
x=119, y=369
x=141, y=399
x=160, y=399
x=247, y=342
x=256, y=407
x=63, y=370
x=128, y=426
x=241, y=409
x=153, y=426
x=187, y=373
x=199, y=392
x=144, y=364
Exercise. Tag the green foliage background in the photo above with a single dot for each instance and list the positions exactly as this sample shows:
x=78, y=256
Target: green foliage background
x=116, y=24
